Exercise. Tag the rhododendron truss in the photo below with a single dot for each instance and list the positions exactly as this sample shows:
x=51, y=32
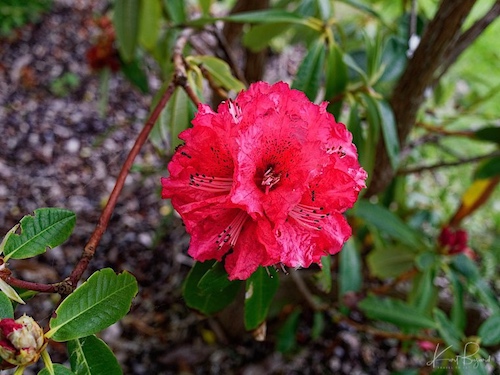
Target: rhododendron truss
x=264, y=181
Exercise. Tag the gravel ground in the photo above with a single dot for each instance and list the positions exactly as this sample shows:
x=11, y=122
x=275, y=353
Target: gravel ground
x=58, y=151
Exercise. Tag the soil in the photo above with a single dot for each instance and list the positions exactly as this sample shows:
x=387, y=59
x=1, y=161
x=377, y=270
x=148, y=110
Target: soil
x=58, y=150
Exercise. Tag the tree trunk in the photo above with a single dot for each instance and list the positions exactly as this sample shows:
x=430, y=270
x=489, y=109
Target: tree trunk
x=409, y=94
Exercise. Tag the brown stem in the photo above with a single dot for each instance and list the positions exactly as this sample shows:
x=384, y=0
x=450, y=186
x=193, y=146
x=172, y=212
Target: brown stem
x=103, y=222
x=409, y=93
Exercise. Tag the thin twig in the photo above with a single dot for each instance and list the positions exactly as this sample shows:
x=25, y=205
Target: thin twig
x=448, y=164
x=103, y=222
x=306, y=293
x=390, y=335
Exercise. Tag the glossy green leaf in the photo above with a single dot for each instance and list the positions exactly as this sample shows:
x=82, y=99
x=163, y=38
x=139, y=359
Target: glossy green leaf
x=489, y=133
x=261, y=287
x=6, y=308
x=336, y=79
x=126, y=21
x=396, y=312
x=149, y=25
x=134, y=73
x=176, y=10
x=489, y=331
x=447, y=330
x=359, y=5
x=208, y=300
x=353, y=65
x=390, y=261
x=48, y=228
x=58, y=370
x=95, y=305
x=350, y=269
x=388, y=223
x=259, y=36
x=488, y=169
x=287, y=339
x=219, y=71
x=309, y=75
x=91, y=356
x=272, y=16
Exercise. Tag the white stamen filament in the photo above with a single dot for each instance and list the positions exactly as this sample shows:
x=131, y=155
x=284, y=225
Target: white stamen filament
x=211, y=183
x=308, y=216
x=232, y=232
x=270, y=179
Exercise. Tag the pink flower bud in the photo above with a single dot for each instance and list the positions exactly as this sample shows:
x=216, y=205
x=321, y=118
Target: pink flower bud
x=426, y=346
x=21, y=340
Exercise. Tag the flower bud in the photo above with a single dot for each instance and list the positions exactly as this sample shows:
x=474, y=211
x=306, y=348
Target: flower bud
x=21, y=340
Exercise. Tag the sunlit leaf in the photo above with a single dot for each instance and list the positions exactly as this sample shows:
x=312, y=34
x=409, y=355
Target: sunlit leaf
x=95, y=305
x=149, y=25
x=10, y=292
x=48, y=228
x=219, y=71
x=475, y=196
x=259, y=36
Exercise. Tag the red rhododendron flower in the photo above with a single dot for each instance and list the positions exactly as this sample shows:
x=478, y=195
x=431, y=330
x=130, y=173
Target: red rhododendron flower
x=264, y=180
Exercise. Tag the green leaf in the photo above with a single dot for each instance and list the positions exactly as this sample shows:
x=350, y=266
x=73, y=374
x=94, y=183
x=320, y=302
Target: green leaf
x=318, y=325
x=390, y=261
x=336, y=78
x=173, y=119
x=95, y=305
x=205, y=6
x=457, y=313
x=351, y=63
x=6, y=308
x=10, y=292
x=134, y=73
x=350, y=277
x=396, y=312
x=215, y=280
x=489, y=133
x=489, y=331
x=58, y=370
x=424, y=293
x=149, y=25
x=272, y=16
x=207, y=300
x=91, y=356
x=176, y=10
x=488, y=168
x=49, y=227
x=287, y=340
x=261, y=287
x=324, y=277
x=219, y=70
x=387, y=222
x=389, y=132
x=126, y=22
x=447, y=330
x=259, y=36
x=309, y=74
